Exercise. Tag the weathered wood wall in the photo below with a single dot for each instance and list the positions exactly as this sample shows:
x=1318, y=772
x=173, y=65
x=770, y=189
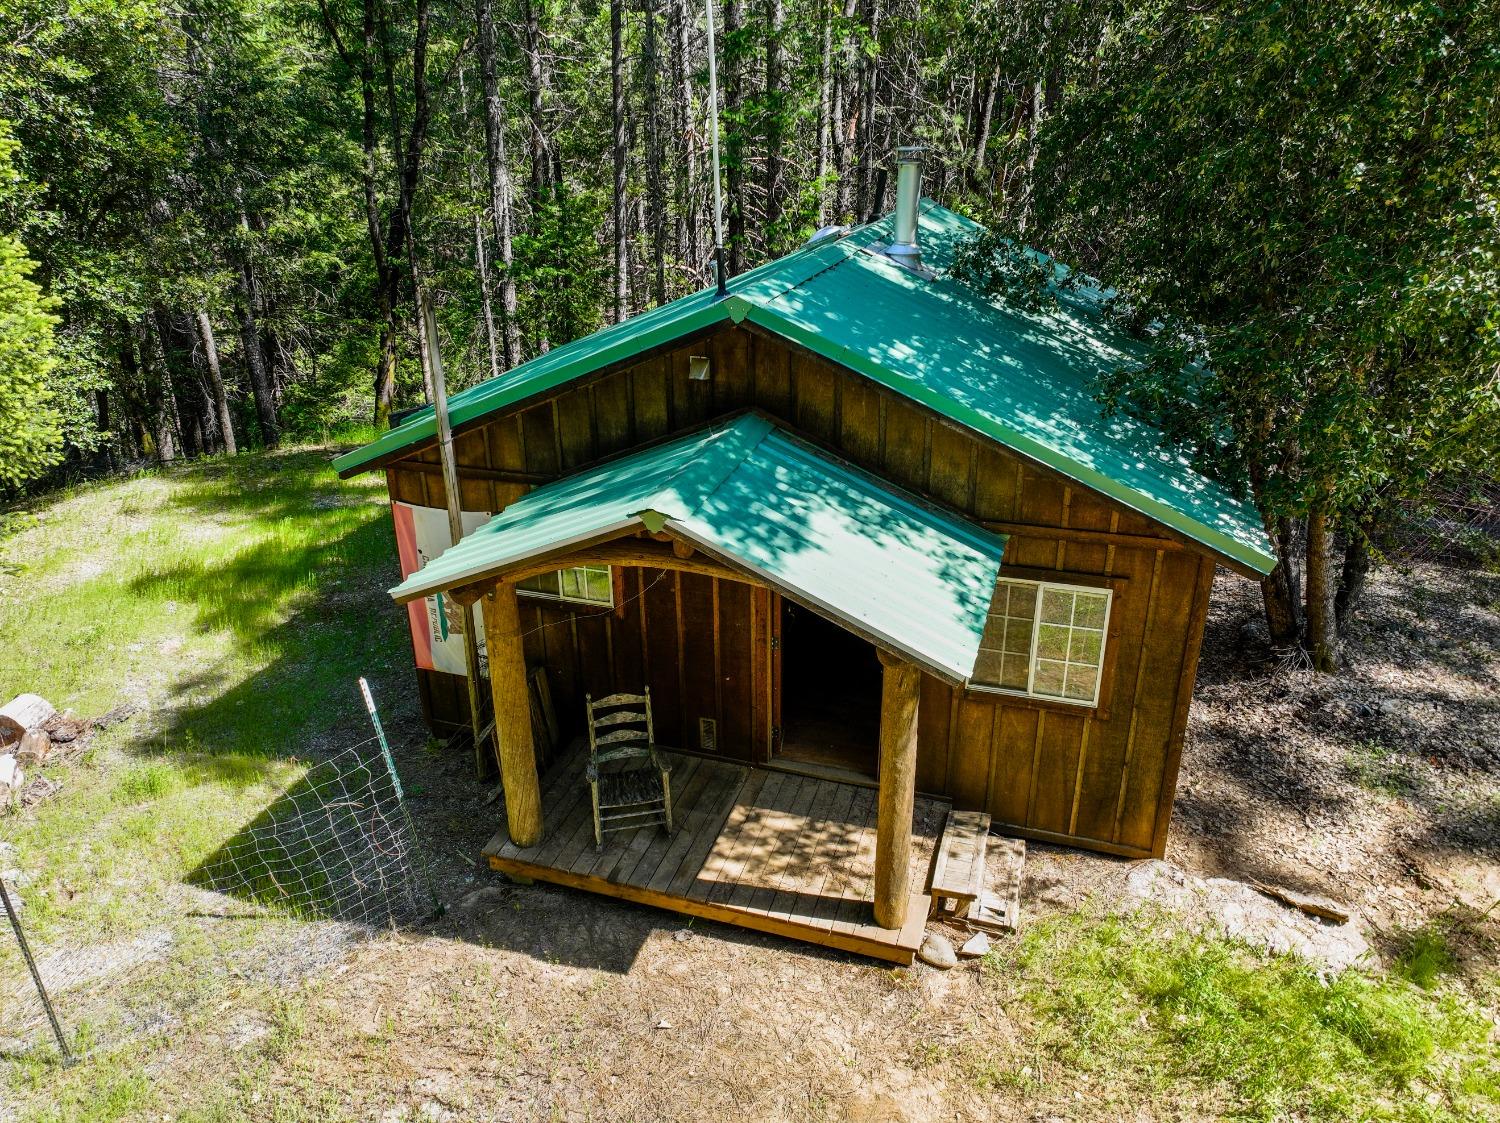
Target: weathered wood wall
x=1102, y=778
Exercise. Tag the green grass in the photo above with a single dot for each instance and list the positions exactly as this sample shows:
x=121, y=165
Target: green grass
x=1383, y=771
x=227, y=599
x=1146, y=1009
x=1425, y=955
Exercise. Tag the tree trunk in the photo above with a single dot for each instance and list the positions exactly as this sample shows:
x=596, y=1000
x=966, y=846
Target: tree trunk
x=617, y=112
x=499, y=184
x=486, y=301
x=845, y=125
x=1281, y=589
x=656, y=203
x=158, y=393
x=689, y=252
x=105, y=458
x=986, y=121
x=131, y=386
x=536, y=83
x=869, y=158
x=734, y=137
x=775, y=131
x=1322, y=627
x=1352, y=580
x=176, y=365
x=825, y=106
x=216, y=381
x=255, y=358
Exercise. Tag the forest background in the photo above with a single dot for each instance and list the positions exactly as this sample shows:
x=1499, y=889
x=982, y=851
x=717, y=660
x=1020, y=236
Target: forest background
x=216, y=216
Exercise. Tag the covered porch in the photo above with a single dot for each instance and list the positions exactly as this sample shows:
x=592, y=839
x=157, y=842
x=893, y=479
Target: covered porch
x=745, y=501
x=759, y=848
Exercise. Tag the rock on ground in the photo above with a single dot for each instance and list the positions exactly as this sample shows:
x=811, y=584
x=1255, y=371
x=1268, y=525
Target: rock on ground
x=938, y=951
x=1244, y=914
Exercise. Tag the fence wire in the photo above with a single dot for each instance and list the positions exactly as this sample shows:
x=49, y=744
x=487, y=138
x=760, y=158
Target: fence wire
x=333, y=860
x=1457, y=522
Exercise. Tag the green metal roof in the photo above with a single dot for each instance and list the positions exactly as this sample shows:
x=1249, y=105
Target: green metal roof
x=1021, y=379
x=913, y=577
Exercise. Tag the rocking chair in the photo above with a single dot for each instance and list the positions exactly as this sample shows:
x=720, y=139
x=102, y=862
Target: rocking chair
x=628, y=778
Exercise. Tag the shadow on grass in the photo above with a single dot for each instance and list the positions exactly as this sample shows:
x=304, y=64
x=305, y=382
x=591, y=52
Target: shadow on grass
x=305, y=600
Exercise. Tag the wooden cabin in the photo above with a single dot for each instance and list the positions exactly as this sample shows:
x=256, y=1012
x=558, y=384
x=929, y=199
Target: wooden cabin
x=874, y=549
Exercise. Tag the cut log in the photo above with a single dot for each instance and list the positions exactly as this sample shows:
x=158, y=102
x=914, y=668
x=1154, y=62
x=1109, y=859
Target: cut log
x=33, y=749
x=23, y=712
x=11, y=780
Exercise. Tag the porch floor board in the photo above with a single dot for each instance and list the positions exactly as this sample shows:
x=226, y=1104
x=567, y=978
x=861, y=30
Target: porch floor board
x=773, y=851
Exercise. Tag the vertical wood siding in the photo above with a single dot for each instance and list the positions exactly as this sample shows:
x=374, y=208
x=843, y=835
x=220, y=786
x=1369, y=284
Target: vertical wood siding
x=1102, y=778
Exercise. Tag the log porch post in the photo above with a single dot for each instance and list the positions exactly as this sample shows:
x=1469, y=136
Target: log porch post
x=900, y=686
x=512, y=697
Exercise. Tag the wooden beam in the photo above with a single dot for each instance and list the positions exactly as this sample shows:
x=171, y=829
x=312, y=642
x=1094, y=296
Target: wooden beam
x=900, y=693
x=1077, y=534
x=512, y=697
x=898, y=949
x=484, y=764
x=626, y=551
x=470, y=472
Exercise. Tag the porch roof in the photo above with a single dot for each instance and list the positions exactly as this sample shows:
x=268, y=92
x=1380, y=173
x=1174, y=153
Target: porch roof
x=912, y=578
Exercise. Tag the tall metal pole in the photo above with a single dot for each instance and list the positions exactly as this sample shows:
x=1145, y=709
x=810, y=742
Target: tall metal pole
x=36, y=976
x=713, y=129
x=390, y=767
x=483, y=760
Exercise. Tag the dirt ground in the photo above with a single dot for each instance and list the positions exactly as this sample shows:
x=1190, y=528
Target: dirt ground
x=1379, y=787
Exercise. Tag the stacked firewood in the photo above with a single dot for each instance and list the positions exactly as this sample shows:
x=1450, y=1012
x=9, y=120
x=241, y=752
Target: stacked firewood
x=32, y=732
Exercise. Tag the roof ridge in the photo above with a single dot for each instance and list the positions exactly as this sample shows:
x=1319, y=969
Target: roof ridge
x=706, y=472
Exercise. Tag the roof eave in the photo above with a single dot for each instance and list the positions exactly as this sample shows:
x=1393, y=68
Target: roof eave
x=419, y=431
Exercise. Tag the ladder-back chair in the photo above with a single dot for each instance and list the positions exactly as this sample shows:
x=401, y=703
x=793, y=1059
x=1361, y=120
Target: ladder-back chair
x=629, y=781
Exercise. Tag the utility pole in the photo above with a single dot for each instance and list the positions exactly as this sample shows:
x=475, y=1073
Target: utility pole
x=483, y=761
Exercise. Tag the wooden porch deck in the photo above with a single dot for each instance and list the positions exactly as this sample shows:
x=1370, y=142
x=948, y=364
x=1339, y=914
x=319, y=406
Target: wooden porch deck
x=773, y=851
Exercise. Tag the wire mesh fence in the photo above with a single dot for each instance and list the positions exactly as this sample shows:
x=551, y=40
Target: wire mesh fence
x=337, y=846
x=1456, y=522
x=333, y=859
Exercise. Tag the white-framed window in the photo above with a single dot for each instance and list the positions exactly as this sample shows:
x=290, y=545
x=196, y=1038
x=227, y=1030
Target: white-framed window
x=1045, y=640
x=583, y=584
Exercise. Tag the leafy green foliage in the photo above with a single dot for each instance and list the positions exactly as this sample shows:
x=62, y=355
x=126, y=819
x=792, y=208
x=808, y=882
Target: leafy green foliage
x=30, y=425
x=30, y=430
x=1316, y=238
x=1001, y=266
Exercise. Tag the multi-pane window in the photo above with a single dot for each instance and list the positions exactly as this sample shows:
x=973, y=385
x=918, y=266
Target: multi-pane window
x=1045, y=640
x=583, y=584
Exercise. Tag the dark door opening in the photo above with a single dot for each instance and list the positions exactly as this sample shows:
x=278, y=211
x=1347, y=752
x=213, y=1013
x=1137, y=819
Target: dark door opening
x=830, y=695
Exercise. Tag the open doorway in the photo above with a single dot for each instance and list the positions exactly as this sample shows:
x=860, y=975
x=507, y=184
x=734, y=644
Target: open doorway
x=830, y=696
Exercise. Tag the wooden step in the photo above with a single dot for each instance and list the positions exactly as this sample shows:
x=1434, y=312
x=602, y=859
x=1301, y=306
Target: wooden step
x=999, y=909
x=958, y=870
